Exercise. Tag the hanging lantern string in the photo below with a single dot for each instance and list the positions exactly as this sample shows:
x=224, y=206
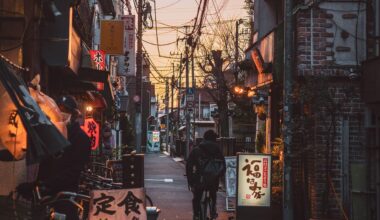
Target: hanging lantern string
x=13, y=64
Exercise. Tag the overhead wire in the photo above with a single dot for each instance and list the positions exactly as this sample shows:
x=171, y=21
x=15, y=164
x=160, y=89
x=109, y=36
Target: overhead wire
x=158, y=45
x=170, y=5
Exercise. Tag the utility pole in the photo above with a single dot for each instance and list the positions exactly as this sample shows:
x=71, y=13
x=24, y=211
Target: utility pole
x=172, y=90
x=193, y=86
x=288, y=111
x=186, y=107
x=179, y=96
x=138, y=100
x=172, y=107
x=167, y=113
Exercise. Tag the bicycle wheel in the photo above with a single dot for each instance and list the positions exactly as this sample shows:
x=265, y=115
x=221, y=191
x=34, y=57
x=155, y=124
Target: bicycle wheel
x=209, y=204
x=204, y=205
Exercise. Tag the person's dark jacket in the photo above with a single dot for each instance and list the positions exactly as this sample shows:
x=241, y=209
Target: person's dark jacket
x=63, y=173
x=206, y=149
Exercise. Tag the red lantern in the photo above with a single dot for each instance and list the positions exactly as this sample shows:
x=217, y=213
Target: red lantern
x=91, y=127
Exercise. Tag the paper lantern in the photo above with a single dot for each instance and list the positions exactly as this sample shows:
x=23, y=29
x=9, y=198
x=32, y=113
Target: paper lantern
x=13, y=135
x=91, y=128
x=50, y=108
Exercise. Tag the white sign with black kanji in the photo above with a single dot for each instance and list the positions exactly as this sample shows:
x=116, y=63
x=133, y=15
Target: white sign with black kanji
x=118, y=204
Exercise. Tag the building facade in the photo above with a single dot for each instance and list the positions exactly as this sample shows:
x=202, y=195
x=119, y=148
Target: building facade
x=334, y=123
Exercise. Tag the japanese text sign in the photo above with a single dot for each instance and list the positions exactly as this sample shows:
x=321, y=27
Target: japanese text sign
x=230, y=176
x=127, y=62
x=156, y=136
x=111, y=36
x=98, y=59
x=91, y=128
x=254, y=180
x=117, y=204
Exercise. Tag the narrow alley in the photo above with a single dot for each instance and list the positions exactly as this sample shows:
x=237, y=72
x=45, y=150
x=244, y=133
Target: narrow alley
x=166, y=184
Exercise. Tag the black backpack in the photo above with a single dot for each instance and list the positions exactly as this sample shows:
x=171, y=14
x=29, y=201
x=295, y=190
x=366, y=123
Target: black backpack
x=211, y=169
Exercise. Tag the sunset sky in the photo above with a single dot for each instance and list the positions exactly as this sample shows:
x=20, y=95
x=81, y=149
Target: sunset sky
x=172, y=16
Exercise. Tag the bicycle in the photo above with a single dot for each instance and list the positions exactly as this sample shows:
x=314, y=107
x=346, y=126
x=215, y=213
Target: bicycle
x=45, y=204
x=207, y=207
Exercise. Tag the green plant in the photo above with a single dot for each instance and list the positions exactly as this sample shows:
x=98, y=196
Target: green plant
x=260, y=142
x=277, y=167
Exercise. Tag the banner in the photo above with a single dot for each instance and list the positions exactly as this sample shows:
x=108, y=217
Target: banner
x=98, y=59
x=91, y=128
x=118, y=204
x=127, y=62
x=254, y=180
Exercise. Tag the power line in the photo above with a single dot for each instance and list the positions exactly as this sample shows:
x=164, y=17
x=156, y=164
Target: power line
x=167, y=6
x=165, y=44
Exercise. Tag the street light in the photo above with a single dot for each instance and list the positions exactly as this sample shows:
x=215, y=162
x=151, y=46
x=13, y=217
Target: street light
x=89, y=109
x=251, y=93
x=238, y=90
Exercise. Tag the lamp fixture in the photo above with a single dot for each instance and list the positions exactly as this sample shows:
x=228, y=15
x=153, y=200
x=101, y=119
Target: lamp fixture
x=251, y=93
x=238, y=90
x=89, y=108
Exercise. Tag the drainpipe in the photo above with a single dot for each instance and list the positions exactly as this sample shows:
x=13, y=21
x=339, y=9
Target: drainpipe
x=287, y=110
x=312, y=40
x=378, y=152
x=268, y=126
x=377, y=33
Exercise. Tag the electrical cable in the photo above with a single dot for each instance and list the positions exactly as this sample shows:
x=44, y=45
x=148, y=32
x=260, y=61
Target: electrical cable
x=196, y=17
x=128, y=6
x=167, y=6
x=161, y=33
x=155, y=21
x=154, y=44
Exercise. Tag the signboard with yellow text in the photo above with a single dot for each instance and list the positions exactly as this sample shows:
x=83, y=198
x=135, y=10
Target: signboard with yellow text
x=112, y=36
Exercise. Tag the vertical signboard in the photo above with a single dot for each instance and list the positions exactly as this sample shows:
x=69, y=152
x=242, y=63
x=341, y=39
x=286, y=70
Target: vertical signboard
x=253, y=186
x=230, y=180
x=98, y=61
x=153, y=141
x=127, y=62
x=112, y=36
x=118, y=204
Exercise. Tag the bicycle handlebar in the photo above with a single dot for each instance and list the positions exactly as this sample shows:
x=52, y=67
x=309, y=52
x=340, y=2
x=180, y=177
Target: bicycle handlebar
x=60, y=196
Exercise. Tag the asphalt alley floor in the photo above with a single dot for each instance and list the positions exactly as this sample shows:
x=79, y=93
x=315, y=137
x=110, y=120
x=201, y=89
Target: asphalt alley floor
x=166, y=184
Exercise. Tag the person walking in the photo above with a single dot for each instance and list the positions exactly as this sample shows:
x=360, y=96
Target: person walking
x=63, y=173
x=207, y=149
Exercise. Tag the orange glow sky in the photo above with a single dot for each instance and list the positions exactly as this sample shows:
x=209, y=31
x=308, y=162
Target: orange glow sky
x=179, y=13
